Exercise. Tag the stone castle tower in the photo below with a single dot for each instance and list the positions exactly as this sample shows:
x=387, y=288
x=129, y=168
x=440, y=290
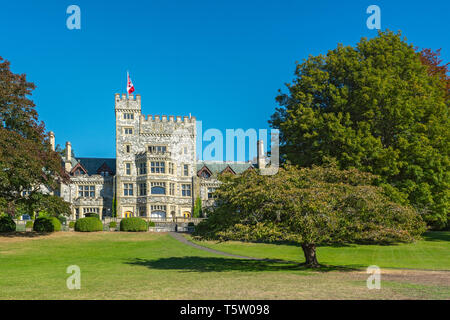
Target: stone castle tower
x=155, y=162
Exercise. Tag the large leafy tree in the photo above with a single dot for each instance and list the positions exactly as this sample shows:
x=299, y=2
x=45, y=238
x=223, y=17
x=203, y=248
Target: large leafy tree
x=377, y=107
x=26, y=160
x=310, y=207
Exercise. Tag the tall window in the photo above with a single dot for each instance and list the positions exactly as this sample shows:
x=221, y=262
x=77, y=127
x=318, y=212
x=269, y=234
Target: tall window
x=127, y=189
x=172, y=189
x=142, y=189
x=143, y=168
x=142, y=211
x=171, y=168
x=127, y=148
x=128, y=130
x=128, y=116
x=128, y=168
x=186, y=190
x=158, y=167
x=186, y=170
x=86, y=191
x=158, y=187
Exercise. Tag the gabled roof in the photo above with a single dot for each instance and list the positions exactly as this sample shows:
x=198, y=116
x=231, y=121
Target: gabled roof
x=78, y=166
x=204, y=169
x=217, y=167
x=92, y=165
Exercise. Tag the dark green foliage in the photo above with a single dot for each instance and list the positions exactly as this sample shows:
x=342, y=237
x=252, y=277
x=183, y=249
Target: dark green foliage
x=197, y=208
x=191, y=224
x=113, y=224
x=62, y=219
x=133, y=224
x=29, y=224
x=114, y=207
x=47, y=224
x=93, y=215
x=72, y=224
x=317, y=206
x=7, y=224
x=89, y=224
x=151, y=223
x=377, y=108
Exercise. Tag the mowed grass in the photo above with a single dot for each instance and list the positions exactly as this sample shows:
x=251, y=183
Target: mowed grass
x=432, y=253
x=119, y=265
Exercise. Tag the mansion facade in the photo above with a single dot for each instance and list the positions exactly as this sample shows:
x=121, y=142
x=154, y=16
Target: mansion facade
x=155, y=173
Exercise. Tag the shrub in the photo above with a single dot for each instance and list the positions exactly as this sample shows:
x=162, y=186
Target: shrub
x=46, y=224
x=92, y=215
x=133, y=224
x=89, y=224
x=72, y=224
x=151, y=224
x=191, y=224
x=7, y=224
x=29, y=224
x=62, y=219
x=113, y=224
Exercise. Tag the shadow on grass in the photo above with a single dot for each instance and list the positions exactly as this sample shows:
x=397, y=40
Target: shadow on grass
x=213, y=264
x=24, y=234
x=437, y=236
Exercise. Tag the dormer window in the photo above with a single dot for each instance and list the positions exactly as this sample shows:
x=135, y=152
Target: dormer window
x=78, y=172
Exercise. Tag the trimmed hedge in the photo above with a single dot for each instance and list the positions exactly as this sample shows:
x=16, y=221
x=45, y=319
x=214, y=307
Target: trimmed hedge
x=89, y=224
x=113, y=224
x=7, y=224
x=151, y=223
x=92, y=215
x=133, y=224
x=46, y=224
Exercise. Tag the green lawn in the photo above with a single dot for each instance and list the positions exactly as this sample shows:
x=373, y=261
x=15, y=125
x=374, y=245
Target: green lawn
x=119, y=265
x=433, y=253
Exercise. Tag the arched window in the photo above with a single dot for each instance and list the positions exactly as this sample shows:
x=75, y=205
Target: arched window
x=158, y=190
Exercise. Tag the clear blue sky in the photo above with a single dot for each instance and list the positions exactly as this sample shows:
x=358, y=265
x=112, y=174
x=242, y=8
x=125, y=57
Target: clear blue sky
x=222, y=61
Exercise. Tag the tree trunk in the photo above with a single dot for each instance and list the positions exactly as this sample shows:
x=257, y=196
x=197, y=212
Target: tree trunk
x=310, y=255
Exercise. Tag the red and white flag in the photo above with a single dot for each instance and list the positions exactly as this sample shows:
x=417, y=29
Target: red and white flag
x=130, y=87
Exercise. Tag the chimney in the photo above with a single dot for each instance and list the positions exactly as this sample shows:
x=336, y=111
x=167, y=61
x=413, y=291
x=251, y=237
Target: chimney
x=260, y=158
x=52, y=140
x=68, y=162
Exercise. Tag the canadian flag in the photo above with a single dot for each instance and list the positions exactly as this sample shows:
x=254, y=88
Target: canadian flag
x=130, y=87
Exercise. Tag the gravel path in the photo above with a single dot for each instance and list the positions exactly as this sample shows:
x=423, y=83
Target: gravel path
x=182, y=239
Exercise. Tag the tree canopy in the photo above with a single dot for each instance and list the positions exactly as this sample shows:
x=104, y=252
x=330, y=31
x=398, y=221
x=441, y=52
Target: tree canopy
x=27, y=161
x=310, y=206
x=379, y=106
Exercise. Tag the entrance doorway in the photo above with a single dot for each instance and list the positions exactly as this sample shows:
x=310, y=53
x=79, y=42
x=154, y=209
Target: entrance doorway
x=128, y=214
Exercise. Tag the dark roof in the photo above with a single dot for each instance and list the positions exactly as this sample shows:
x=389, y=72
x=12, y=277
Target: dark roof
x=93, y=164
x=218, y=166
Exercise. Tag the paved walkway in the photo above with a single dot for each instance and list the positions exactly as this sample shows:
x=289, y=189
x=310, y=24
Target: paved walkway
x=182, y=239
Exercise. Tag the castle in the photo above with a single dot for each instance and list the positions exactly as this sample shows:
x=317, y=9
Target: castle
x=155, y=174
